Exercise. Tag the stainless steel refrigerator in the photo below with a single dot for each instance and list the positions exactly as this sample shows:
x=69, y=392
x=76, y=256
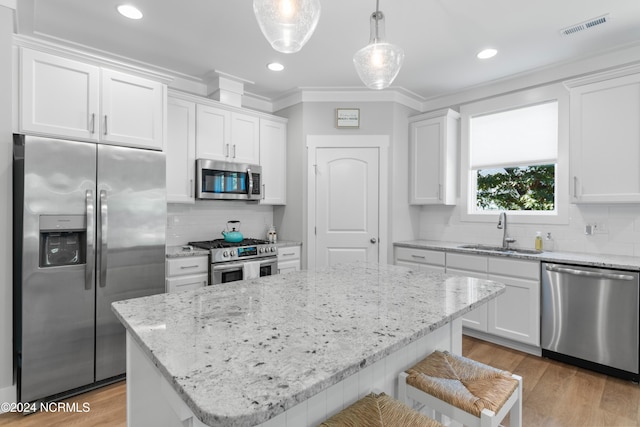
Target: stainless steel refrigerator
x=89, y=229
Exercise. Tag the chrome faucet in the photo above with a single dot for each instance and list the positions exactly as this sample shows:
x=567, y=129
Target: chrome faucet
x=502, y=225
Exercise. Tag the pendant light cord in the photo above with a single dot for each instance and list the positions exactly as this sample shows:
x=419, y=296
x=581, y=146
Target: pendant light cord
x=377, y=18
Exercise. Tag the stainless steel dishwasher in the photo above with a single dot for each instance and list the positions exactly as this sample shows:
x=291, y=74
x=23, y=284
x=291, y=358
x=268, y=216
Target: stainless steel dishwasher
x=590, y=318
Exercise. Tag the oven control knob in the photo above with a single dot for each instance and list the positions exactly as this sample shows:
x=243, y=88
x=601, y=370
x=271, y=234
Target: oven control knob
x=232, y=253
x=225, y=254
x=273, y=249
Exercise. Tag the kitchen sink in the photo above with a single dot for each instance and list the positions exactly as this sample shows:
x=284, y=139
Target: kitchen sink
x=490, y=248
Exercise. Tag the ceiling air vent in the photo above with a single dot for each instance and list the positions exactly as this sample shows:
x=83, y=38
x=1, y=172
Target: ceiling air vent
x=586, y=25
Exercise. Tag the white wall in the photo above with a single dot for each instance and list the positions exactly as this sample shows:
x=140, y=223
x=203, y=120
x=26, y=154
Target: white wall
x=618, y=230
x=205, y=220
x=7, y=390
x=376, y=118
x=620, y=223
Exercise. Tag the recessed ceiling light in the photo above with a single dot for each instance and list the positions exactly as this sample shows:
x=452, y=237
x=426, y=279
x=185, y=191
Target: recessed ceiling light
x=487, y=53
x=129, y=11
x=275, y=66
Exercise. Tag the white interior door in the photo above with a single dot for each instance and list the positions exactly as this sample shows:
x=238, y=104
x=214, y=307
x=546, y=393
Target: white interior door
x=347, y=205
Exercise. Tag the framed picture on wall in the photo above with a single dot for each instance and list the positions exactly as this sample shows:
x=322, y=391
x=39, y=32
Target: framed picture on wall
x=347, y=118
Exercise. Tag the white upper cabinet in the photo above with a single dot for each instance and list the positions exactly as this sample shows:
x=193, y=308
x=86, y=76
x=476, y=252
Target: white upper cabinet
x=59, y=96
x=273, y=159
x=181, y=150
x=132, y=112
x=605, y=139
x=68, y=98
x=213, y=133
x=433, y=141
x=245, y=139
x=227, y=135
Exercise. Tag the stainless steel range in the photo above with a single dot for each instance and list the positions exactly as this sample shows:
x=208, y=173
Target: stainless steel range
x=237, y=261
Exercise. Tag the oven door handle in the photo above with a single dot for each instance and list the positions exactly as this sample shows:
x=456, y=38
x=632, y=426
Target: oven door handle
x=227, y=267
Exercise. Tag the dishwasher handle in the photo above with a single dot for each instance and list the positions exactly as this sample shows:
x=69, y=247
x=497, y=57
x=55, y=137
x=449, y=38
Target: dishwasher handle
x=585, y=273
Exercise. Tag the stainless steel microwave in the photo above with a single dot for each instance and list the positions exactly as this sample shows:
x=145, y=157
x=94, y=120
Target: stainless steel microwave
x=220, y=180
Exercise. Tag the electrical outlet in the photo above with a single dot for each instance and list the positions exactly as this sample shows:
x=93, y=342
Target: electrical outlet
x=600, y=227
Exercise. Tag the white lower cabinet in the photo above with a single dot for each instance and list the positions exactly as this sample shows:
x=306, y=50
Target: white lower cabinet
x=187, y=273
x=470, y=266
x=514, y=315
x=422, y=259
x=288, y=259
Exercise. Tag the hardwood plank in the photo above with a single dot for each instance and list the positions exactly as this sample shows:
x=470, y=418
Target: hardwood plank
x=554, y=395
x=107, y=407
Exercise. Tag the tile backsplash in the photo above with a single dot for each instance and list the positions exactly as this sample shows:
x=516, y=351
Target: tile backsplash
x=205, y=220
x=615, y=229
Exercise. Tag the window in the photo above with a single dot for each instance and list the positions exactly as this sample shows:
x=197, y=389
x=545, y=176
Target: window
x=512, y=158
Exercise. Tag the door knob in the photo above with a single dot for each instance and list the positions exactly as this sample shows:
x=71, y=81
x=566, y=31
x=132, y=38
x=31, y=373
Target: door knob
x=373, y=240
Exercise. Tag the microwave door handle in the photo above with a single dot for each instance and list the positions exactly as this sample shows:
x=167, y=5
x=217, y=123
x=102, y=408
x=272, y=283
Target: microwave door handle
x=250, y=179
x=90, y=262
x=103, y=247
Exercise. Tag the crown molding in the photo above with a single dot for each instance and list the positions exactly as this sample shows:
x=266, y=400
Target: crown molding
x=11, y=4
x=348, y=94
x=94, y=57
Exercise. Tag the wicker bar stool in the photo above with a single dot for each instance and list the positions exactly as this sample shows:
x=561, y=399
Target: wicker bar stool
x=464, y=390
x=379, y=410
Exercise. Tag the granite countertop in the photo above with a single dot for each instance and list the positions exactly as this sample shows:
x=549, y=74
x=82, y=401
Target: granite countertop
x=590, y=260
x=180, y=251
x=287, y=243
x=185, y=251
x=241, y=353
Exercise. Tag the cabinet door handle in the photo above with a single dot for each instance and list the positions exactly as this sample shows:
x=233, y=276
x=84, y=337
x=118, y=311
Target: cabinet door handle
x=575, y=187
x=185, y=267
x=288, y=254
x=191, y=188
x=234, y=151
x=93, y=123
x=105, y=124
x=264, y=192
x=418, y=256
x=226, y=153
x=439, y=191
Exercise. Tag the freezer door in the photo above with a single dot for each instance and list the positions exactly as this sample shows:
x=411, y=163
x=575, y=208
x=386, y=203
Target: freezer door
x=131, y=221
x=54, y=296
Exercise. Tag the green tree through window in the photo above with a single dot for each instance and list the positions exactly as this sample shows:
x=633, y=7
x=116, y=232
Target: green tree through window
x=523, y=188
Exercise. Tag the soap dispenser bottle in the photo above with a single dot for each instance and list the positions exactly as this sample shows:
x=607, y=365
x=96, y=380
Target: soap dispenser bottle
x=538, y=244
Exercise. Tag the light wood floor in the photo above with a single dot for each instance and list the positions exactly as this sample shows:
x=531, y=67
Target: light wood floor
x=555, y=395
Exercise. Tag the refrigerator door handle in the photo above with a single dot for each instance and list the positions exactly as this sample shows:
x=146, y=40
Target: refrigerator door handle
x=89, y=272
x=103, y=247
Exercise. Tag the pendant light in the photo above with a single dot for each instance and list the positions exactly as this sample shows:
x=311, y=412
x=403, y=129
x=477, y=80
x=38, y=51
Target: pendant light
x=287, y=24
x=379, y=62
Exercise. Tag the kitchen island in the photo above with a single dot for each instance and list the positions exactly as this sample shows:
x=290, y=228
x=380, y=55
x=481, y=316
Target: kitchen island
x=287, y=349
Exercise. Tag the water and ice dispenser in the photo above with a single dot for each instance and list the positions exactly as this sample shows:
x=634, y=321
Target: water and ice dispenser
x=63, y=240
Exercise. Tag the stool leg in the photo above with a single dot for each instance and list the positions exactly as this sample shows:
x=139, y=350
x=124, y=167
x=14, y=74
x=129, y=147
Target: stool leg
x=515, y=415
x=402, y=389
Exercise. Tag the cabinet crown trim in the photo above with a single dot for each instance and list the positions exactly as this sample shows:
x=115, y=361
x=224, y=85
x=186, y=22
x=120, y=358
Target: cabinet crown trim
x=446, y=112
x=602, y=76
x=89, y=58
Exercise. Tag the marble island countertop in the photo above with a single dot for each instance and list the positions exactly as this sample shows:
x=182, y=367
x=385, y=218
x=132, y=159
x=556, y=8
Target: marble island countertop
x=586, y=259
x=243, y=352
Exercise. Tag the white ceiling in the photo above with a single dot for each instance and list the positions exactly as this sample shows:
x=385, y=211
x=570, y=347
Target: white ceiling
x=440, y=38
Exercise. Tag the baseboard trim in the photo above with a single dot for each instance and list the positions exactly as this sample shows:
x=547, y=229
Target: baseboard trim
x=7, y=395
x=526, y=348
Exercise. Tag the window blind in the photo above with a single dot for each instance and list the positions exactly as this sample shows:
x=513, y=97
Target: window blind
x=520, y=137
